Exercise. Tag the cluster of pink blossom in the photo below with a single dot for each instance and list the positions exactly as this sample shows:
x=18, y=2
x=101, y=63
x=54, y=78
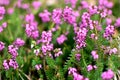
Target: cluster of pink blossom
x=38, y=66
x=67, y=14
x=12, y=49
x=93, y=10
x=108, y=50
x=22, y=5
x=2, y=12
x=19, y=42
x=3, y=26
x=4, y=2
x=84, y=4
x=10, y=63
x=61, y=39
x=29, y=18
x=76, y=76
x=72, y=2
x=107, y=75
x=31, y=28
x=46, y=38
x=105, y=4
x=91, y=67
x=56, y=16
x=117, y=23
x=10, y=11
x=57, y=52
x=108, y=21
x=104, y=8
x=109, y=31
x=95, y=55
x=36, y=4
x=2, y=45
x=32, y=31
x=93, y=36
x=81, y=37
x=45, y=16
x=77, y=56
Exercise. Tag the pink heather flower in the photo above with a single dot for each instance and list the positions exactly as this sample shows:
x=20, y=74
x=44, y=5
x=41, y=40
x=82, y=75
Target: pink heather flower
x=76, y=76
x=103, y=14
x=29, y=18
x=25, y=6
x=45, y=16
x=93, y=36
x=108, y=4
x=58, y=52
x=32, y=31
x=38, y=66
x=19, y=42
x=13, y=51
x=77, y=56
x=68, y=15
x=10, y=10
x=4, y=2
x=2, y=46
x=2, y=12
x=57, y=15
x=72, y=70
x=114, y=51
x=93, y=10
x=84, y=4
x=61, y=39
x=109, y=31
x=46, y=48
x=109, y=12
x=107, y=75
x=1, y=29
x=4, y=25
x=86, y=79
x=13, y=63
x=46, y=37
x=6, y=65
x=94, y=66
x=86, y=21
x=94, y=54
x=108, y=21
x=36, y=4
x=72, y=2
x=105, y=3
x=19, y=3
x=76, y=13
x=89, y=67
x=117, y=23
x=80, y=38
x=66, y=1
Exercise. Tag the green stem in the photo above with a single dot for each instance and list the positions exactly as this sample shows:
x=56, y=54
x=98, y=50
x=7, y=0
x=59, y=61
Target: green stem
x=11, y=36
x=25, y=75
x=44, y=66
x=20, y=76
x=52, y=25
x=83, y=59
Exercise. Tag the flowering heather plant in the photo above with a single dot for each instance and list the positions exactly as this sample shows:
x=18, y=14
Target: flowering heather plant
x=59, y=40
